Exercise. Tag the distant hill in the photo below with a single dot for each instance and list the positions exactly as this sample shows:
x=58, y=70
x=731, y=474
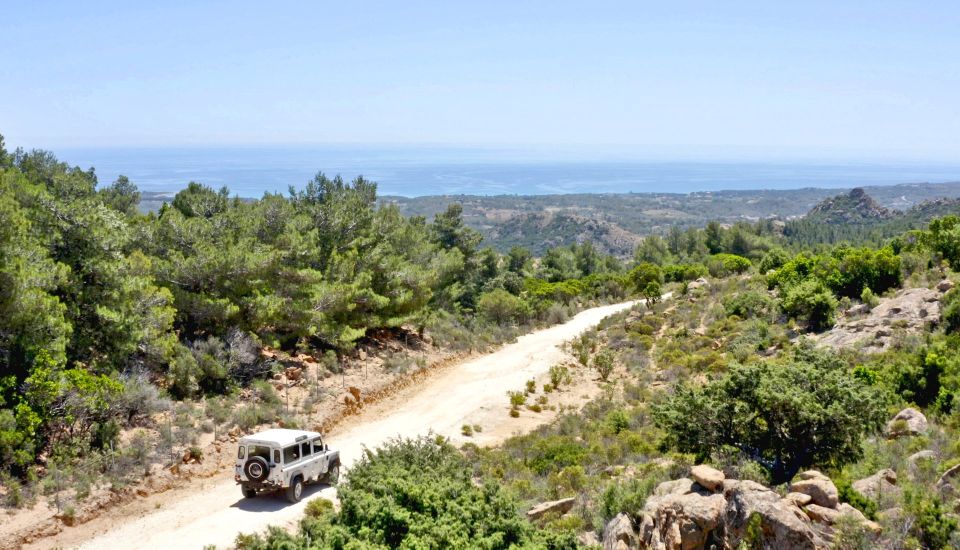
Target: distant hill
x=857, y=217
x=855, y=207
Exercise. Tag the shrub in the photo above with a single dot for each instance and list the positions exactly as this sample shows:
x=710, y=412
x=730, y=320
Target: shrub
x=773, y=259
x=603, y=363
x=679, y=273
x=466, y=430
x=722, y=265
x=951, y=310
x=559, y=376
x=811, y=302
x=502, y=308
x=318, y=507
x=869, y=298
x=517, y=398
x=784, y=415
x=748, y=304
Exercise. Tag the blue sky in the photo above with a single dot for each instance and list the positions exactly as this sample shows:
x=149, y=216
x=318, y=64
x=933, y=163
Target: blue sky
x=749, y=79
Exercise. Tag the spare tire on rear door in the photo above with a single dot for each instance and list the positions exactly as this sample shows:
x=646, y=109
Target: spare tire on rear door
x=256, y=468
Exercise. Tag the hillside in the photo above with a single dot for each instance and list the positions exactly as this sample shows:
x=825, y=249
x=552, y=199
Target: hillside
x=856, y=207
x=537, y=221
x=858, y=217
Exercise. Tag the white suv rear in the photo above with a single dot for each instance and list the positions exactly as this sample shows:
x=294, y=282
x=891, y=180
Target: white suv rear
x=284, y=459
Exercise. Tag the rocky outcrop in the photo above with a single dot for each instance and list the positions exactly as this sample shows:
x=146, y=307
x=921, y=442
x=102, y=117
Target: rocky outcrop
x=918, y=456
x=819, y=487
x=908, y=311
x=856, y=207
x=619, y=534
x=699, y=283
x=949, y=482
x=877, y=486
x=684, y=514
x=709, y=478
x=907, y=422
x=558, y=507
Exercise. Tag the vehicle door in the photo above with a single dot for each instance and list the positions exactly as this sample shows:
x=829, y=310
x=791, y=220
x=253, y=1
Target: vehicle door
x=311, y=468
x=320, y=451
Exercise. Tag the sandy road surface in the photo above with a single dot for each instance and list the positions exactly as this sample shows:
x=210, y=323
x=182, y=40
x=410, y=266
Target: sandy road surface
x=473, y=392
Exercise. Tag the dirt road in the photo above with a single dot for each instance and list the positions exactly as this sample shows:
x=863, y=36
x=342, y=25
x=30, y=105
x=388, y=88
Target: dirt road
x=473, y=392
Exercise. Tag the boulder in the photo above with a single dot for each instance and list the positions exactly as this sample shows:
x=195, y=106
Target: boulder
x=812, y=474
x=559, y=507
x=922, y=455
x=699, y=283
x=948, y=481
x=681, y=521
x=907, y=422
x=673, y=519
x=822, y=491
x=589, y=539
x=619, y=534
x=707, y=477
x=798, y=499
x=293, y=373
x=822, y=514
x=859, y=309
x=945, y=285
x=781, y=525
x=680, y=486
x=879, y=484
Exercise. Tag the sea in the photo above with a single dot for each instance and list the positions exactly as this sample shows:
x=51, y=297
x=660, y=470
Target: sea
x=417, y=171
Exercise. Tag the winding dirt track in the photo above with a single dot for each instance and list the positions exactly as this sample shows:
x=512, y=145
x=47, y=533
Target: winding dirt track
x=472, y=392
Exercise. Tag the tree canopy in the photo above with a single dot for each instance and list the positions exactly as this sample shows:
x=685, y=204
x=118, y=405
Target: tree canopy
x=786, y=415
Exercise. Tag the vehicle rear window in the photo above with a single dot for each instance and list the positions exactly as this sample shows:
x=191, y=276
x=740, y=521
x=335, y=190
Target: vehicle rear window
x=258, y=450
x=240, y=451
x=291, y=454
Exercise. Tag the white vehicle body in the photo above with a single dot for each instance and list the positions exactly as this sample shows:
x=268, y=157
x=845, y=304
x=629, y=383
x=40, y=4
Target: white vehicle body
x=284, y=459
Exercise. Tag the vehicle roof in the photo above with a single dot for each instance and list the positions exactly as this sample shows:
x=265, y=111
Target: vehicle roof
x=279, y=436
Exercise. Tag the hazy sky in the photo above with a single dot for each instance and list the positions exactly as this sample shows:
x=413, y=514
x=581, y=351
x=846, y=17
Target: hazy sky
x=872, y=78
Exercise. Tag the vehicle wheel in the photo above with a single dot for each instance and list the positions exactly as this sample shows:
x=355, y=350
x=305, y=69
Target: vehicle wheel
x=256, y=469
x=295, y=490
x=333, y=476
x=249, y=492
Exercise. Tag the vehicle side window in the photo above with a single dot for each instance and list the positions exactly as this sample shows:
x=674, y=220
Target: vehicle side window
x=305, y=449
x=317, y=445
x=241, y=452
x=276, y=456
x=291, y=454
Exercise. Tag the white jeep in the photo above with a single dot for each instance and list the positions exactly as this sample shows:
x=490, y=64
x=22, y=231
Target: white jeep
x=284, y=459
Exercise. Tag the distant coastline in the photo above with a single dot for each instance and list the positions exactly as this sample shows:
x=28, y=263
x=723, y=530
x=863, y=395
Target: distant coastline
x=417, y=172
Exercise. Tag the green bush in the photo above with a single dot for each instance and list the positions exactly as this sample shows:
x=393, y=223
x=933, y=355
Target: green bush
x=785, y=415
x=748, y=304
x=811, y=302
x=502, y=308
x=723, y=265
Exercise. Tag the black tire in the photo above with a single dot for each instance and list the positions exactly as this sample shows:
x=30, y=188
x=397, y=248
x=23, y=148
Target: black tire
x=333, y=475
x=256, y=469
x=249, y=492
x=295, y=490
